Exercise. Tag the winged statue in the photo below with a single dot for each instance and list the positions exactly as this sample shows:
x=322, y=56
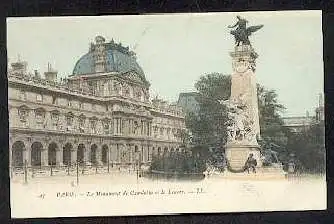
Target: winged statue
x=242, y=32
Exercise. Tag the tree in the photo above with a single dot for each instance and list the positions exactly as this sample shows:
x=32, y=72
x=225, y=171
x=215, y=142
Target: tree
x=271, y=122
x=309, y=148
x=209, y=126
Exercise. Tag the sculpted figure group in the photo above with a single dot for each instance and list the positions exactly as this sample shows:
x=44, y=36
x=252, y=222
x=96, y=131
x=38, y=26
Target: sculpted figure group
x=240, y=124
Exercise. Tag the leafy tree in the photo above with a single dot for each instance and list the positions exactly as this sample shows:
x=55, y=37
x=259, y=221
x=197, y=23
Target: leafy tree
x=208, y=126
x=179, y=162
x=309, y=148
x=271, y=123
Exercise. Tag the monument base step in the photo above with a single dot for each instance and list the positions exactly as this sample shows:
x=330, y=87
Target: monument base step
x=261, y=174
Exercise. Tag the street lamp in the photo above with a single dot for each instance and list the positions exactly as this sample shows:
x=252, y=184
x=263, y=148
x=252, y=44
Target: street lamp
x=138, y=163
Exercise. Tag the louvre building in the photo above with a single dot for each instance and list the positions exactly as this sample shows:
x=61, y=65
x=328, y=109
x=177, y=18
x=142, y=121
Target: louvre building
x=101, y=113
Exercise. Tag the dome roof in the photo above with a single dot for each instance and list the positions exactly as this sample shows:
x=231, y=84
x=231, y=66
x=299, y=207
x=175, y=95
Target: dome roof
x=117, y=59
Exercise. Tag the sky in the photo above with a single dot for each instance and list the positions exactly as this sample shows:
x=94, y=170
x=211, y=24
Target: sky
x=174, y=50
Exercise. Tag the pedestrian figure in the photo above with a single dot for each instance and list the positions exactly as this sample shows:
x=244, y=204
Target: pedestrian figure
x=251, y=163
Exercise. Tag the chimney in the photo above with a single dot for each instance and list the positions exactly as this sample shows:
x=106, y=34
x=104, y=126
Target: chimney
x=36, y=74
x=19, y=67
x=51, y=74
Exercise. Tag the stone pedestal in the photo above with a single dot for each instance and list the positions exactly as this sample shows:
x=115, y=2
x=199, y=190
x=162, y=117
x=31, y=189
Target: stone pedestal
x=243, y=83
x=237, y=155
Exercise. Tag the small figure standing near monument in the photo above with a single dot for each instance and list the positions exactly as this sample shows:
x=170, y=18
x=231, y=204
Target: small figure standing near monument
x=251, y=163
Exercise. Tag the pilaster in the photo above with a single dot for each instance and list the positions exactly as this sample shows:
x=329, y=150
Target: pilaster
x=59, y=156
x=74, y=154
x=99, y=156
x=27, y=156
x=44, y=157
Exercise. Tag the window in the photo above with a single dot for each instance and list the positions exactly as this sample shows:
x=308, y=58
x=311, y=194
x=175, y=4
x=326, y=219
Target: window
x=106, y=126
x=39, y=98
x=40, y=117
x=54, y=100
x=135, y=124
x=138, y=95
x=69, y=122
x=23, y=114
x=54, y=119
x=81, y=105
x=148, y=129
x=93, y=126
x=127, y=91
x=23, y=95
x=69, y=103
x=82, y=120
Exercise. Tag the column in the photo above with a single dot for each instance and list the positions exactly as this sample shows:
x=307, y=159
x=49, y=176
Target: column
x=146, y=151
x=74, y=154
x=131, y=126
x=131, y=149
x=99, y=156
x=143, y=153
x=118, y=153
x=150, y=129
x=111, y=153
x=149, y=153
x=86, y=155
x=59, y=156
x=44, y=156
x=141, y=128
x=27, y=156
x=145, y=128
x=119, y=125
x=114, y=126
x=116, y=120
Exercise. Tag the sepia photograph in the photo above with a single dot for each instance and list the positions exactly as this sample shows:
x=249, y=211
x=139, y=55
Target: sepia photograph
x=166, y=114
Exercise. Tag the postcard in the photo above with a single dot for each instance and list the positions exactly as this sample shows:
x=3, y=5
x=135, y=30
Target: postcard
x=166, y=114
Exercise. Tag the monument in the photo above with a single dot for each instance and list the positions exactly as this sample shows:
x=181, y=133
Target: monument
x=243, y=123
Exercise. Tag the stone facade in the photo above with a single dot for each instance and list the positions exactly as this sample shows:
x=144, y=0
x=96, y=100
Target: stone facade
x=98, y=117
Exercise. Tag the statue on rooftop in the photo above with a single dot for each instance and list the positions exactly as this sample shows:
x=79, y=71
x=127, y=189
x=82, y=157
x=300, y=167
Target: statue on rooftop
x=242, y=32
